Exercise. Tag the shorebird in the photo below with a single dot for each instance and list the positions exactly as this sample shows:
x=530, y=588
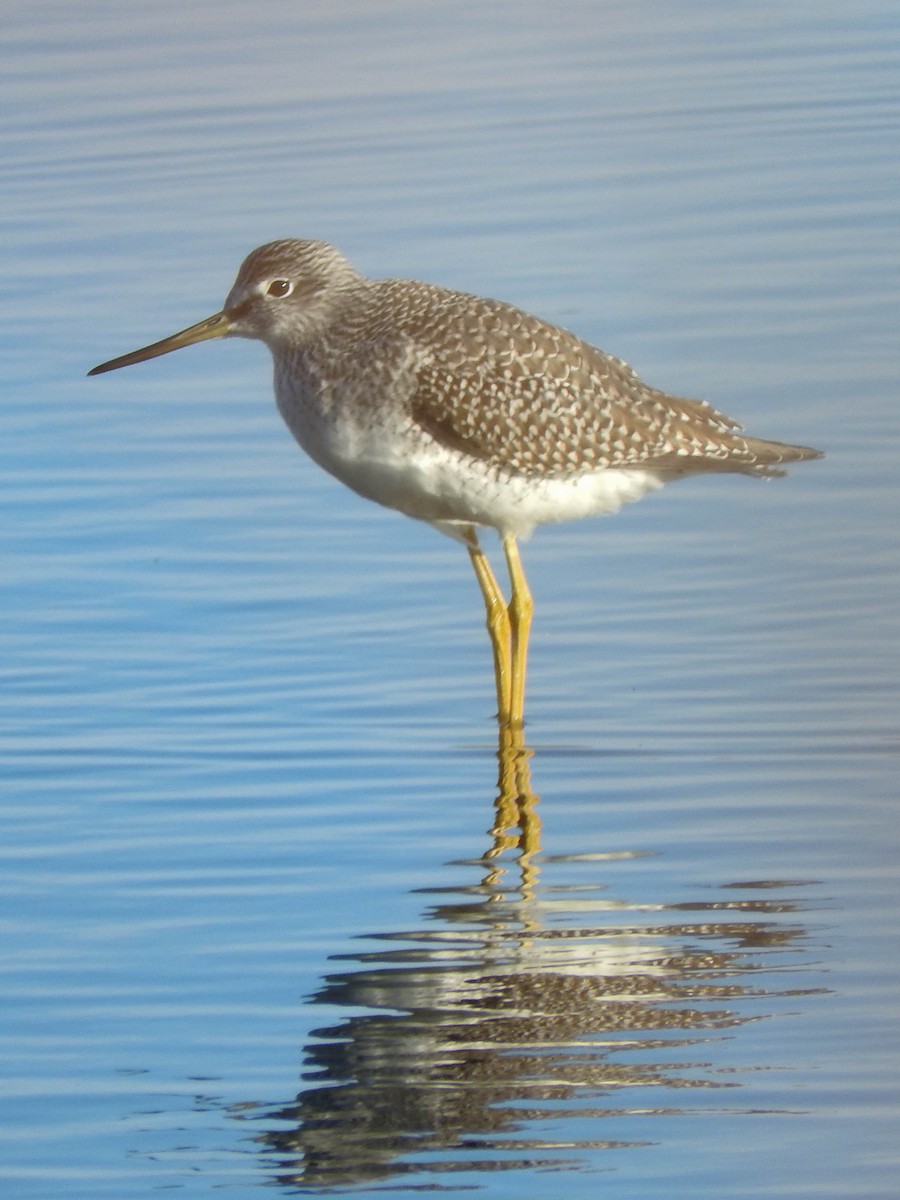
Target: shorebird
x=464, y=412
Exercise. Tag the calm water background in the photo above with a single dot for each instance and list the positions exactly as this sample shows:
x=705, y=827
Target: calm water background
x=248, y=763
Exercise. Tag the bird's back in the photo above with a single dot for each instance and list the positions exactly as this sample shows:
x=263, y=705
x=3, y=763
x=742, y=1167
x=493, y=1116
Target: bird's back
x=510, y=390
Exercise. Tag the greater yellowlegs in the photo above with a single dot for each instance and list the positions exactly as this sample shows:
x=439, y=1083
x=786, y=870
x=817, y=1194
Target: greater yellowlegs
x=464, y=412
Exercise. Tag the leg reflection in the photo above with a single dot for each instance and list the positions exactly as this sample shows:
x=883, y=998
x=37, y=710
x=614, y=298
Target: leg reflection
x=517, y=826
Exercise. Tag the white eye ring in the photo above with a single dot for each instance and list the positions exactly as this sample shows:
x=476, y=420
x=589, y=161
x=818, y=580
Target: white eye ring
x=279, y=288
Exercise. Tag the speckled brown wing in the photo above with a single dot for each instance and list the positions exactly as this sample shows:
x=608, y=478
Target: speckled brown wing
x=511, y=390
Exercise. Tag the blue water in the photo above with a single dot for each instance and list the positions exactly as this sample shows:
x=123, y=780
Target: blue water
x=256, y=929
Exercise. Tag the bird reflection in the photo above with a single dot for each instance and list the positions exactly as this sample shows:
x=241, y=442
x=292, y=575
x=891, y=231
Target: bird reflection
x=472, y=1044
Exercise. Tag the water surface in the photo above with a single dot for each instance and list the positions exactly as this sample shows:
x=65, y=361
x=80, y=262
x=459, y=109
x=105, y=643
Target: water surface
x=266, y=918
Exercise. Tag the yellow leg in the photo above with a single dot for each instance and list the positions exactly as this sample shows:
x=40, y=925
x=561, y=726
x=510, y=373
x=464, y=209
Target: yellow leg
x=520, y=611
x=498, y=624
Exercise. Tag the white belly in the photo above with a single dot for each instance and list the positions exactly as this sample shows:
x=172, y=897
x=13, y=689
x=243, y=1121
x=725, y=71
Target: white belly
x=443, y=487
x=404, y=469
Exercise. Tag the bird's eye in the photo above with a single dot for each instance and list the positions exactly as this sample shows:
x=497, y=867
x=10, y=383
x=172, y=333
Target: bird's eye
x=279, y=288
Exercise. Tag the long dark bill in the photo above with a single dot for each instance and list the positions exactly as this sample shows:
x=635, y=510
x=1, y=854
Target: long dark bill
x=213, y=327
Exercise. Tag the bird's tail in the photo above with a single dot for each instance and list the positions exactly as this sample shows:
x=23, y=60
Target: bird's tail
x=766, y=458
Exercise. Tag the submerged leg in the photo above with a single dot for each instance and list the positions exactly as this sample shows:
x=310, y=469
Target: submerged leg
x=498, y=623
x=521, y=609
